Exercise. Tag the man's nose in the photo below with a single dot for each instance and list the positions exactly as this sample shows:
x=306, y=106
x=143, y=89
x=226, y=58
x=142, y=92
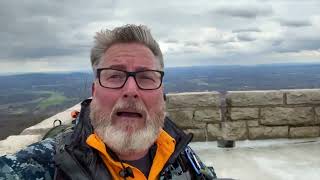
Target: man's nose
x=131, y=88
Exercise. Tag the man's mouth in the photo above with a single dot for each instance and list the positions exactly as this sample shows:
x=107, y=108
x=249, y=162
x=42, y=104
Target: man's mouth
x=129, y=114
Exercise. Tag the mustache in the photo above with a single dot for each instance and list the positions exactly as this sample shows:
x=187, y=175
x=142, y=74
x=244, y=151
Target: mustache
x=129, y=105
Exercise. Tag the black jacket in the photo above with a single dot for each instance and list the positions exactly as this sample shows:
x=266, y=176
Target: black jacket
x=74, y=159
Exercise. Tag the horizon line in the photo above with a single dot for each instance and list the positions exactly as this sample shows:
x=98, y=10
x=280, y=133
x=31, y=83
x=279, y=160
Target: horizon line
x=184, y=66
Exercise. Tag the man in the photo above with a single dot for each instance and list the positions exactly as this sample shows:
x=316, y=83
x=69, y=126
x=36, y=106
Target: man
x=122, y=132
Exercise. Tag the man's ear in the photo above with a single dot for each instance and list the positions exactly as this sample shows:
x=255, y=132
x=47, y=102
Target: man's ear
x=92, y=89
x=164, y=97
x=164, y=94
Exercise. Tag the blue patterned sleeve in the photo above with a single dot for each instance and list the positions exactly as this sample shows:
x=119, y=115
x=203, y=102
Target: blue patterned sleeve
x=33, y=162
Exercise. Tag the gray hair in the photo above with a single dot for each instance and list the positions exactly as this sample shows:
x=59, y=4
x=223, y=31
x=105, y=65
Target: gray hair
x=124, y=34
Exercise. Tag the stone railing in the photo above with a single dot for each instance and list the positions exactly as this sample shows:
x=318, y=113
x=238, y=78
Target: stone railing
x=233, y=115
x=239, y=115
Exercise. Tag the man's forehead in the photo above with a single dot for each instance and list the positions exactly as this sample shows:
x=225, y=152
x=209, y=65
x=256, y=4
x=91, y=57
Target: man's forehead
x=124, y=67
x=136, y=55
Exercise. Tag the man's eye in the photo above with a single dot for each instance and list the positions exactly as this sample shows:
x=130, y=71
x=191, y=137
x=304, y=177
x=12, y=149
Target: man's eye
x=147, y=78
x=115, y=76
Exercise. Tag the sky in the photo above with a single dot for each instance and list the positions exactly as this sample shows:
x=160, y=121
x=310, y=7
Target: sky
x=57, y=35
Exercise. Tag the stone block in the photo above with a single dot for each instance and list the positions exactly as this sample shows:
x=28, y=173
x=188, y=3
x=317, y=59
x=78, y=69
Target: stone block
x=214, y=131
x=244, y=113
x=317, y=110
x=184, y=118
x=286, y=115
x=304, y=132
x=254, y=98
x=199, y=99
x=207, y=115
x=198, y=134
x=253, y=123
x=303, y=96
x=236, y=130
x=264, y=132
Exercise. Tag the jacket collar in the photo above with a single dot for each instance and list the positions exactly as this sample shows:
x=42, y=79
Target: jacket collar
x=84, y=129
x=164, y=142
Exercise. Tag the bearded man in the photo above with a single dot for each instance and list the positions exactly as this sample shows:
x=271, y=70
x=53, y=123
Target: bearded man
x=122, y=132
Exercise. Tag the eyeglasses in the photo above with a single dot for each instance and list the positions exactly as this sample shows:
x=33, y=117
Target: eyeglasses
x=116, y=79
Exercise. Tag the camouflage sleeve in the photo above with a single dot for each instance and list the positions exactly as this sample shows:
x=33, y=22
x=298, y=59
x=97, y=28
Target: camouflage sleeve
x=198, y=166
x=34, y=162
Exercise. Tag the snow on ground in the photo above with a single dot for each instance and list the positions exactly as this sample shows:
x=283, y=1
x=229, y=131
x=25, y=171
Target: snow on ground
x=280, y=159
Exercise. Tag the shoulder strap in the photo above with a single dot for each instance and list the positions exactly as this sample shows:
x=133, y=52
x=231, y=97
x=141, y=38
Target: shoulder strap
x=200, y=169
x=67, y=163
x=58, y=129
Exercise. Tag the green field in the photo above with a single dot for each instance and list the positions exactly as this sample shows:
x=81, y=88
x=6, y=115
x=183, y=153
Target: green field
x=55, y=98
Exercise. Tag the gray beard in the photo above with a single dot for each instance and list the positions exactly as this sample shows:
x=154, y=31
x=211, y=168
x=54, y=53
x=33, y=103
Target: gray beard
x=116, y=138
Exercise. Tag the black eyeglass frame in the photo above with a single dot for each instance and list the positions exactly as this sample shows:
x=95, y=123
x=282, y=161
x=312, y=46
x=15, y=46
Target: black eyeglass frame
x=128, y=74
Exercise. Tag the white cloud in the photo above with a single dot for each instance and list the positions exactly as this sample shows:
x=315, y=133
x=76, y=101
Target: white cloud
x=36, y=34
x=303, y=54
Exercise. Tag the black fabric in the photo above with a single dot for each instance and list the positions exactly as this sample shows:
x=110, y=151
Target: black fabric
x=68, y=164
x=88, y=159
x=143, y=164
x=84, y=156
x=182, y=139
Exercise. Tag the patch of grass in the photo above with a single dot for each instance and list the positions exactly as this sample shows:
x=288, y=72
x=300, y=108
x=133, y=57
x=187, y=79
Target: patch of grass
x=55, y=99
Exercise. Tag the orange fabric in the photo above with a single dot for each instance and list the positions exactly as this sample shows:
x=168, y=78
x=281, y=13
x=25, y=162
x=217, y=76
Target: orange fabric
x=74, y=114
x=165, y=147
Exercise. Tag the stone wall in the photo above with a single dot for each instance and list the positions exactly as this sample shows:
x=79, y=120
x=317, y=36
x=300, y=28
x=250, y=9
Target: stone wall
x=234, y=115
x=239, y=115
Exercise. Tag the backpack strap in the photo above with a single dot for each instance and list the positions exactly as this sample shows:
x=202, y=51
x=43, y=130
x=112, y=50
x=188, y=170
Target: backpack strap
x=66, y=163
x=201, y=170
x=58, y=128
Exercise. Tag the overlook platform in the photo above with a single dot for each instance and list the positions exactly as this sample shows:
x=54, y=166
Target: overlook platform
x=281, y=159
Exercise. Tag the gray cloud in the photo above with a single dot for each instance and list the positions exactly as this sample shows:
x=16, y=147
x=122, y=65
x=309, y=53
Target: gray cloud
x=245, y=11
x=220, y=41
x=171, y=41
x=245, y=37
x=295, y=23
x=246, y=30
x=277, y=42
x=191, y=43
x=298, y=45
x=46, y=28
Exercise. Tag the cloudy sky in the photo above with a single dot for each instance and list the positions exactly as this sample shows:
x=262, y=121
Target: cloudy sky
x=56, y=35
